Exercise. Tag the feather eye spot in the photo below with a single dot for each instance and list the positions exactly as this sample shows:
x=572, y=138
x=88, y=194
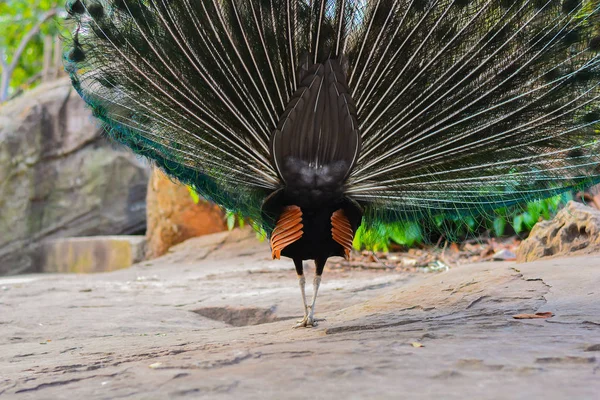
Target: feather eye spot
x=571, y=38
x=589, y=118
x=120, y=4
x=75, y=7
x=108, y=82
x=575, y=153
x=76, y=55
x=95, y=10
x=570, y=5
x=133, y=8
x=584, y=75
x=595, y=43
x=552, y=75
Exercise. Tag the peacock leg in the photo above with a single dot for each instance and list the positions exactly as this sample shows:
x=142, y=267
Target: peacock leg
x=311, y=321
x=309, y=317
x=302, y=283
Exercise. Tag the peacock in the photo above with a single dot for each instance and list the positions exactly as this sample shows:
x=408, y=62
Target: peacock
x=314, y=117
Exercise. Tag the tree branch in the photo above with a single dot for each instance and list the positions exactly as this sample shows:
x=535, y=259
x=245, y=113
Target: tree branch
x=28, y=36
x=8, y=69
x=3, y=63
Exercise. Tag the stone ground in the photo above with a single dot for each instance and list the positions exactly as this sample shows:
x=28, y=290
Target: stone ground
x=178, y=327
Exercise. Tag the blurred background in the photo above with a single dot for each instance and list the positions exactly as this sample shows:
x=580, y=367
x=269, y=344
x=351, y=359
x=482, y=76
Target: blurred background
x=61, y=179
x=70, y=201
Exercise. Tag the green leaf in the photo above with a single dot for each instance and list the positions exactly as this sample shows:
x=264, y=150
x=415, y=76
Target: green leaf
x=195, y=197
x=518, y=223
x=499, y=225
x=230, y=220
x=529, y=220
x=358, y=242
x=470, y=222
x=534, y=209
x=439, y=220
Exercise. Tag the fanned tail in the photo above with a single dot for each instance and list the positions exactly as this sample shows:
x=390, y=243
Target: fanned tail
x=466, y=106
x=170, y=81
x=461, y=105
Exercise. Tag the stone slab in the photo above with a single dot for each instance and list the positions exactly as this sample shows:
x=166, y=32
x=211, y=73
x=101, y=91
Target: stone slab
x=91, y=254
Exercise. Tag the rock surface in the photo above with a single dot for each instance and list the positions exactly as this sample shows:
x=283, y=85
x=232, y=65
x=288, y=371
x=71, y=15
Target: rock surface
x=59, y=177
x=590, y=197
x=212, y=319
x=91, y=254
x=173, y=217
x=574, y=230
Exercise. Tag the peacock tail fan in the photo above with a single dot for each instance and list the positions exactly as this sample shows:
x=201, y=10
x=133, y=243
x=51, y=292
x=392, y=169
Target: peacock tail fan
x=462, y=106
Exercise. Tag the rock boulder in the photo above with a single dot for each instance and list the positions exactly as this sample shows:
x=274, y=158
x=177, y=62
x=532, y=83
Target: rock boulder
x=59, y=177
x=174, y=217
x=574, y=230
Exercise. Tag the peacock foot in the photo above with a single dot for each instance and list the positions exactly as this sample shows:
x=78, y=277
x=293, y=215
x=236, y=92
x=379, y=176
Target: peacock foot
x=309, y=321
x=306, y=323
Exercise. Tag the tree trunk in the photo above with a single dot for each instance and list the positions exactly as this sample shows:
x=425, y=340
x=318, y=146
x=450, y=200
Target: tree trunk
x=5, y=80
x=57, y=61
x=48, y=68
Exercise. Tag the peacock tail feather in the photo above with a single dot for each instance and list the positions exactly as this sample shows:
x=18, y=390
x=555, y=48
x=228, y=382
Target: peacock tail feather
x=461, y=106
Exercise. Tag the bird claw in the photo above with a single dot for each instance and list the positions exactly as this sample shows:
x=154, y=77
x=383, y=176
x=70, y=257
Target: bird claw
x=302, y=323
x=306, y=323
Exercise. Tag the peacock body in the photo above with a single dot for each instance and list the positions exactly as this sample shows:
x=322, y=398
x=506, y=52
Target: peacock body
x=314, y=116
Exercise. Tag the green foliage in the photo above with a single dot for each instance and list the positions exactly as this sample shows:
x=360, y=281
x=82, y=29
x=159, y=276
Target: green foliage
x=379, y=238
x=501, y=222
x=234, y=218
x=17, y=18
x=518, y=219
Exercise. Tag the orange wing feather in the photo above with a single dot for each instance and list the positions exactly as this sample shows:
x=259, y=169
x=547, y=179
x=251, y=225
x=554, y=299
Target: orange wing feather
x=287, y=230
x=341, y=231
